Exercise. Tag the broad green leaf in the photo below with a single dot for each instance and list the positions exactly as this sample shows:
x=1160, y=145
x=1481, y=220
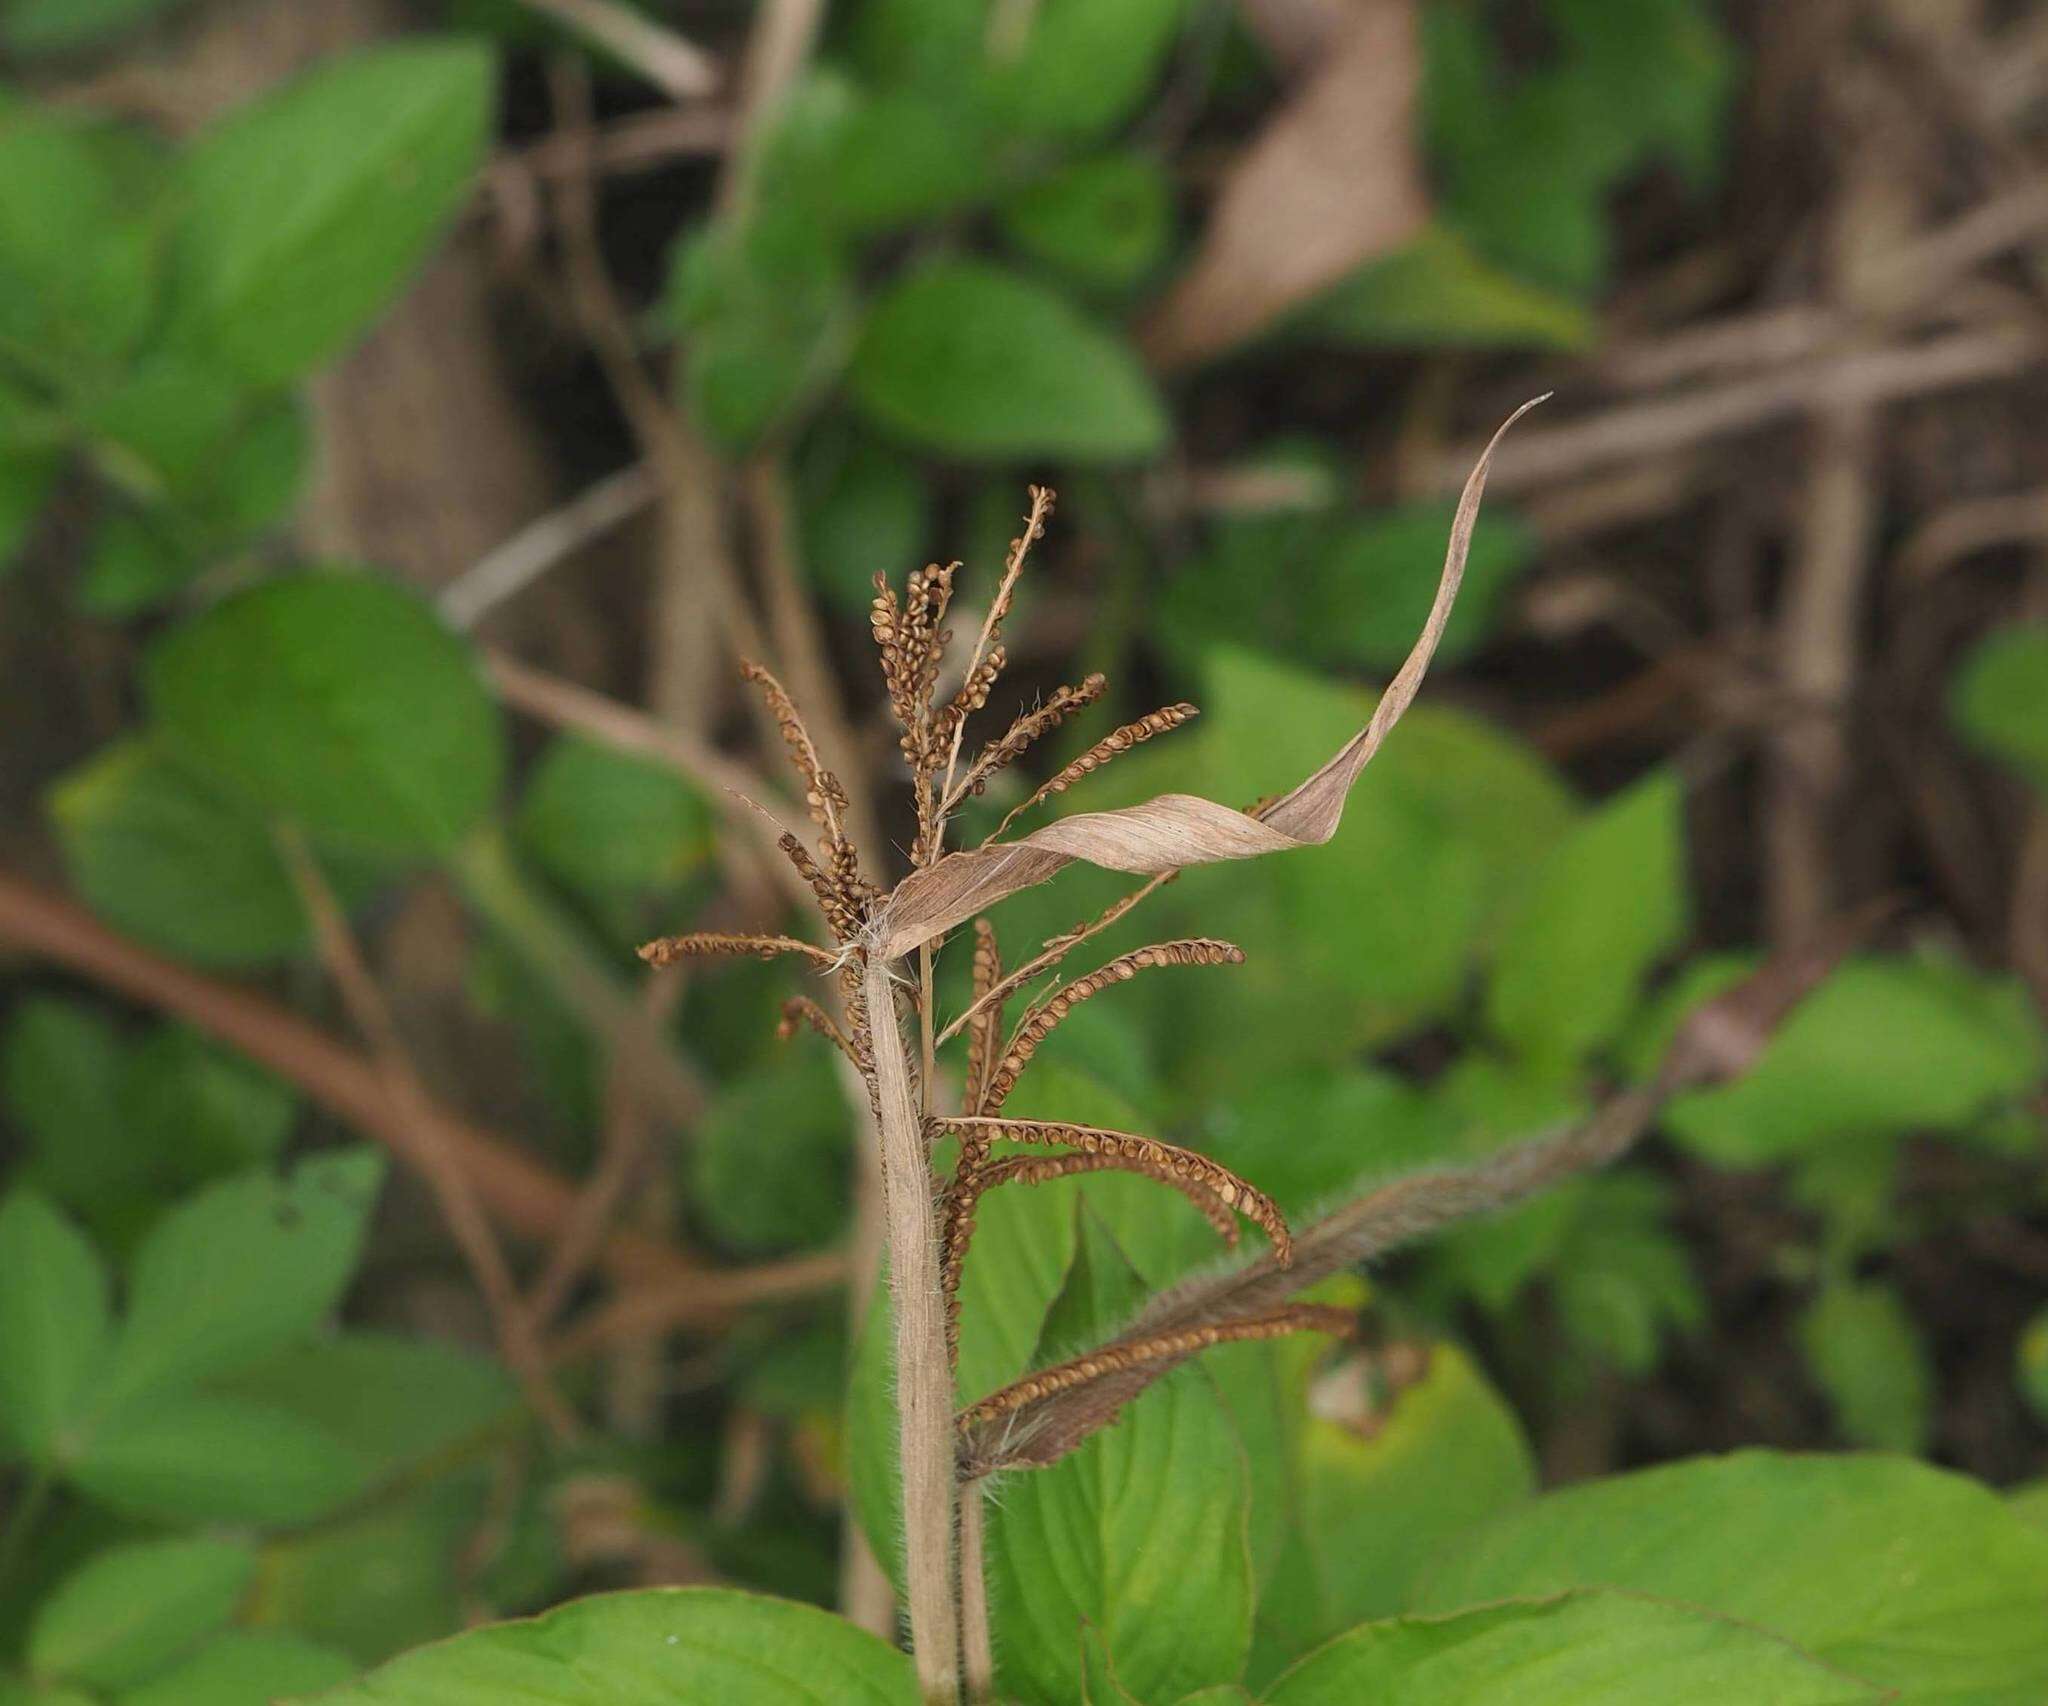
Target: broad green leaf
x=1105, y=222
x=168, y=857
x=246, y=1667
x=1624, y=1279
x=54, y=1325
x=1438, y=293
x=898, y=156
x=393, y=1403
x=1871, y=1359
x=979, y=363
x=1082, y=68
x=1910, y=1577
x=239, y=1271
x=866, y=508
x=136, y=562
x=376, y=1584
x=1884, y=1047
x=307, y=210
x=2000, y=700
x=2030, y=1504
x=61, y=1064
x=766, y=311
x=339, y=702
x=1380, y=1486
x=133, y=1609
x=77, y=245
x=1583, y=1649
x=773, y=1161
x=1104, y=1538
x=664, y=1644
x=198, y=1457
x=64, y=26
x=159, y=431
x=205, y=1112
x=1369, y=589
x=1610, y=899
x=604, y=821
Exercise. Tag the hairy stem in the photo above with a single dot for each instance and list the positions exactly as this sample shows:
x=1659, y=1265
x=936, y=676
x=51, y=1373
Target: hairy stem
x=977, y=1646
x=924, y=1381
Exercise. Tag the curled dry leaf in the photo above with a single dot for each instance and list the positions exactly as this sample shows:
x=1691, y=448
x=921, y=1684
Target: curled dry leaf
x=1178, y=830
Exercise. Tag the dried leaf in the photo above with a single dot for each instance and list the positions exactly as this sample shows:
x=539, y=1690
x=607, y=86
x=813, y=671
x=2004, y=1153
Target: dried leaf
x=1177, y=830
x=1333, y=181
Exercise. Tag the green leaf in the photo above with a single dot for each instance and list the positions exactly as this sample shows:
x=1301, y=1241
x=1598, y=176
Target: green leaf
x=1105, y=1536
x=866, y=507
x=55, y=1324
x=1083, y=68
x=394, y=1403
x=77, y=245
x=197, y=1457
x=133, y=1609
x=1884, y=1047
x=1583, y=1649
x=64, y=26
x=773, y=1161
x=1105, y=222
x=375, y=1584
x=899, y=156
x=339, y=702
x=979, y=363
x=1606, y=904
x=1871, y=1359
x=61, y=1064
x=136, y=562
x=243, y=1269
x=168, y=857
x=1367, y=592
x=1439, y=293
x=2000, y=700
x=205, y=1112
x=305, y=212
x=246, y=1667
x=605, y=822
x=766, y=310
x=1910, y=1577
x=1379, y=1487
x=708, y=1644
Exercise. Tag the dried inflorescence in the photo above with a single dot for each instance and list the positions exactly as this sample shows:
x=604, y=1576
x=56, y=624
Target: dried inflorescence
x=1161, y=1348
x=720, y=944
x=1038, y=1024
x=1159, y=722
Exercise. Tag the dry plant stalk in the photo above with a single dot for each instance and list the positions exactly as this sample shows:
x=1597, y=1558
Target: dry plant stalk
x=930, y=1230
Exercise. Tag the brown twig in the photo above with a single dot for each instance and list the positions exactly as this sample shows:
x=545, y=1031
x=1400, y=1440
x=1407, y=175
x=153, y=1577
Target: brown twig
x=674, y=65
x=454, y=1192
x=522, y=1194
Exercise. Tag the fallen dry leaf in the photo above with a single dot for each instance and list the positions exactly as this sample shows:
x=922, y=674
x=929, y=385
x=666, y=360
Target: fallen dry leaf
x=1177, y=830
x=1331, y=182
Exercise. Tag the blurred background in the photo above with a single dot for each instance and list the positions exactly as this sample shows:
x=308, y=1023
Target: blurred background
x=409, y=413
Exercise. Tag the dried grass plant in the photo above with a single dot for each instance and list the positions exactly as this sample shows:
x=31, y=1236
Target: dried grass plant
x=884, y=945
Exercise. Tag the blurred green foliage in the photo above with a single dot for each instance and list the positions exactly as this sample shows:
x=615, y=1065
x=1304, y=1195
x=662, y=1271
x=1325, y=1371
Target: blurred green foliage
x=924, y=297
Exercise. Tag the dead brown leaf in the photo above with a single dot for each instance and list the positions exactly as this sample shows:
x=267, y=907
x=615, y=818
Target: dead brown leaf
x=1331, y=182
x=1177, y=830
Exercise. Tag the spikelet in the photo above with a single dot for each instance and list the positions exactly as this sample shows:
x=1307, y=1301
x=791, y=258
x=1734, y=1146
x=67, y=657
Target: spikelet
x=1159, y=722
x=899, y=671
x=823, y=795
x=1163, y=1347
x=1249, y=1201
x=1040, y=1021
x=1043, y=1169
x=719, y=944
x=1060, y=705
x=841, y=911
x=985, y=1033
x=801, y=1010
